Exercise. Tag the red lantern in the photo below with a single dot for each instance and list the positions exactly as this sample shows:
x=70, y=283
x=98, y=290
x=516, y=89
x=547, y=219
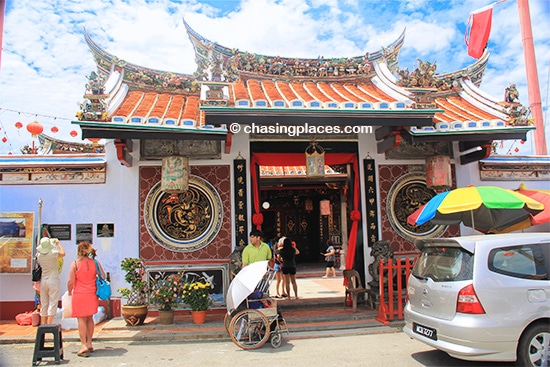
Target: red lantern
x=54, y=129
x=4, y=139
x=18, y=124
x=73, y=133
x=438, y=172
x=35, y=128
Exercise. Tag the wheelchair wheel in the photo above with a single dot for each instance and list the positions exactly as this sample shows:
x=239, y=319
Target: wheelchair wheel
x=227, y=321
x=276, y=339
x=249, y=329
x=229, y=316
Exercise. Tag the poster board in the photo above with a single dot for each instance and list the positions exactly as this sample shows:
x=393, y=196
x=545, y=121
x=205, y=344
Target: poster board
x=16, y=242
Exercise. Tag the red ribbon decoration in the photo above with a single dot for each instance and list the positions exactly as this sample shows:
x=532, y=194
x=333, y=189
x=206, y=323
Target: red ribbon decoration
x=257, y=219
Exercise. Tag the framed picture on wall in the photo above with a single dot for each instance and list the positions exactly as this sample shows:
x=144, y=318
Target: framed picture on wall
x=16, y=233
x=105, y=230
x=84, y=232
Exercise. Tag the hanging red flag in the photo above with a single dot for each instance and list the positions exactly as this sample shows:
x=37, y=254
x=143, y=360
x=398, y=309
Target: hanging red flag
x=478, y=30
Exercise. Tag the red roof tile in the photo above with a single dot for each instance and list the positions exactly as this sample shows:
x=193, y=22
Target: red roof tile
x=479, y=113
x=129, y=103
x=360, y=92
x=146, y=104
x=271, y=90
x=191, y=109
x=240, y=90
x=175, y=107
x=343, y=91
x=255, y=90
x=302, y=92
x=316, y=92
x=285, y=90
x=159, y=108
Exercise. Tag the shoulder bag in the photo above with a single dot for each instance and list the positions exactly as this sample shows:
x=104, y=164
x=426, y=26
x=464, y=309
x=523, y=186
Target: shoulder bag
x=103, y=286
x=36, y=271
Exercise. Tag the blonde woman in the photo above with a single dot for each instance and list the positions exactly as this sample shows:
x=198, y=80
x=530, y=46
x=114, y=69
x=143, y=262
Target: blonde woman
x=82, y=287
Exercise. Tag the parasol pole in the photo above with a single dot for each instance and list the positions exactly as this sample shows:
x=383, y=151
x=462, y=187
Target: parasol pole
x=472, y=215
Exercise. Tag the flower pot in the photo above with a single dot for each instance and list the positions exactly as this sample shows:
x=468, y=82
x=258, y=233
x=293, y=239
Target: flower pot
x=134, y=315
x=166, y=317
x=198, y=316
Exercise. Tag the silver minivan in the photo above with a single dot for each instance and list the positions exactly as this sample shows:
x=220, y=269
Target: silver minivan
x=483, y=298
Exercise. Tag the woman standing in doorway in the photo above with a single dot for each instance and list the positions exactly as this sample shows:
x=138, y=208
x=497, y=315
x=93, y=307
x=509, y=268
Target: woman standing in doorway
x=288, y=256
x=279, y=278
x=330, y=256
x=82, y=286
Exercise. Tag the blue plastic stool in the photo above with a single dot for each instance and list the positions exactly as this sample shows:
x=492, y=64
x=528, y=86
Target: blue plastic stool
x=40, y=351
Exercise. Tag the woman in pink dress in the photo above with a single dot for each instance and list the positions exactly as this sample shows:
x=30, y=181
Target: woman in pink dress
x=82, y=287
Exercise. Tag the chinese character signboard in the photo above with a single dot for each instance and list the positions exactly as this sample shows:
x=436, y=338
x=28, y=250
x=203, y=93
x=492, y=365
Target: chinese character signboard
x=372, y=205
x=241, y=222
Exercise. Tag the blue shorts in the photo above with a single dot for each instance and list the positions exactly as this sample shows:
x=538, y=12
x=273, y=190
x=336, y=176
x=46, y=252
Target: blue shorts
x=277, y=267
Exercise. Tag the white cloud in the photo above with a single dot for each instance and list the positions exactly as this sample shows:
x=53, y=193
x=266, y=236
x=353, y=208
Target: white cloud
x=45, y=59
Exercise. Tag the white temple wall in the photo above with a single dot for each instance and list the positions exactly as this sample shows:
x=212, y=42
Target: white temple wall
x=113, y=202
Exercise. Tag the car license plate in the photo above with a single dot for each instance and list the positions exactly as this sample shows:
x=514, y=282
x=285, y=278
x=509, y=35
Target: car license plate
x=428, y=332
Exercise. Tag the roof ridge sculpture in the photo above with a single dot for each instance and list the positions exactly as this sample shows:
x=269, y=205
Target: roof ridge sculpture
x=425, y=76
x=219, y=63
x=142, y=77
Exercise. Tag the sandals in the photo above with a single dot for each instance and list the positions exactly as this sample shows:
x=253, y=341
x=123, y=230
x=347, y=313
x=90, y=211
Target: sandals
x=83, y=353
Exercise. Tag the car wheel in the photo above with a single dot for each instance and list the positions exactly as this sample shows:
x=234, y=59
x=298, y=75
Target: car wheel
x=533, y=349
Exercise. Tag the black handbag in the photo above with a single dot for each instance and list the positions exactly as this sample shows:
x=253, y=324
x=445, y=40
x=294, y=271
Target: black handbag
x=37, y=273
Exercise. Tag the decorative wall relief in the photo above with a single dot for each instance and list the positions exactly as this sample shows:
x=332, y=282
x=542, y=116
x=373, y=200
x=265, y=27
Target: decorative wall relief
x=219, y=250
x=186, y=221
x=196, y=149
x=406, y=195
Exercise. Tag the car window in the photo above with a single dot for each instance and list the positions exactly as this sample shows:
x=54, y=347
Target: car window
x=444, y=264
x=524, y=261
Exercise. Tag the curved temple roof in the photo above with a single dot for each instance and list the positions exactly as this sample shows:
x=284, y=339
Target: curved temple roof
x=231, y=86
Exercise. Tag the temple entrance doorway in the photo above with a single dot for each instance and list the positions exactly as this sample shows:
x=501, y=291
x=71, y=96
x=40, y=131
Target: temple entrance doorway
x=309, y=210
x=310, y=215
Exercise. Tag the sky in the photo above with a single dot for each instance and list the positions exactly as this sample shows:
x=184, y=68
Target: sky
x=45, y=59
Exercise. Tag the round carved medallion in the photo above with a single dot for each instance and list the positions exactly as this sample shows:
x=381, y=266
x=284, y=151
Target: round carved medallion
x=406, y=195
x=186, y=221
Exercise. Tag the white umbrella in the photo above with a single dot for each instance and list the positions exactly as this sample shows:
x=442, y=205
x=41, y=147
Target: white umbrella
x=244, y=283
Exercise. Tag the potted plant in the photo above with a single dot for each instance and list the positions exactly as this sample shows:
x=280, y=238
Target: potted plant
x=166, y=294
x=197, y=296
x=135, y=309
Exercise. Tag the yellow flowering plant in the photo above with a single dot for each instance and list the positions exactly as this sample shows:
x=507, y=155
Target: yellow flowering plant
x=196, y=295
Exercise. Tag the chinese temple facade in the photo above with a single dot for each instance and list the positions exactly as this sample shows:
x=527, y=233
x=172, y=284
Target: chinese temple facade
x=341, y=149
